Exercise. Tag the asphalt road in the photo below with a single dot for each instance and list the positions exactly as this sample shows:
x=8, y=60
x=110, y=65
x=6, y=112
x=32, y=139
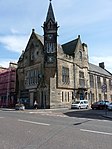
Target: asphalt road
x=70, y=129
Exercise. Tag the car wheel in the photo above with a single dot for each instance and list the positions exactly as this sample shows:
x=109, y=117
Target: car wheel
x=79, y=107
x=87, y=107
x=101, y=108
x=93, y=108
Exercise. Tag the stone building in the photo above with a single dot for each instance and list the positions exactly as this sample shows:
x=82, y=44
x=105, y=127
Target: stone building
x=100, y=81
x=54, y=75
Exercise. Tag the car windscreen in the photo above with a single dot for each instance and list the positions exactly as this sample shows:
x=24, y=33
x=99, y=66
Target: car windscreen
x=76, y=102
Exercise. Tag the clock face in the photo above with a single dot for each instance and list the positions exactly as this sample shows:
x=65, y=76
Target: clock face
x=50, y=59
x=50, y=36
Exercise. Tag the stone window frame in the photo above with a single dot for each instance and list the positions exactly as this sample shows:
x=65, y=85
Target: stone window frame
x=65, y=75
x=80, y=55
x=110, y=84
x=50, y=47
x=81, y=79
x=91, y=77
x=99, y=82
x=31, y=77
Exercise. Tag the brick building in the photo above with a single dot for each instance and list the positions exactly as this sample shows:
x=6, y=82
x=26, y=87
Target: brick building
x=8, y=85
x=54, y=75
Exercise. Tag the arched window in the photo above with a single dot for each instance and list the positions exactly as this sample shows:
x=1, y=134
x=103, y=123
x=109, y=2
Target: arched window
x=80, y=55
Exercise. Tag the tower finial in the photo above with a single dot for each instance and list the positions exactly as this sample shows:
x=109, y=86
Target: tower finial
x=50, y=0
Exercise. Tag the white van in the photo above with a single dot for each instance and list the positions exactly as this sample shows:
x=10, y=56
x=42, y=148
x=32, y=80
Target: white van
x=80, y=104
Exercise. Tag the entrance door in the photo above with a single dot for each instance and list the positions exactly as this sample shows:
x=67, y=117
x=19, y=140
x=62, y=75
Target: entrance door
x=81, y=96
x=43, y=99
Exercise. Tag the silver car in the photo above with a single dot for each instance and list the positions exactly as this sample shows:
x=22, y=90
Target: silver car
x=81, y=104
x=19, y=107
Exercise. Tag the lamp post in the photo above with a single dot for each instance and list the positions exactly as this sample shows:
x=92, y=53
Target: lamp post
x=91, y=96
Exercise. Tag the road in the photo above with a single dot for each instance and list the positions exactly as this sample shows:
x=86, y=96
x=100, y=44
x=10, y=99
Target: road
x=75, y=129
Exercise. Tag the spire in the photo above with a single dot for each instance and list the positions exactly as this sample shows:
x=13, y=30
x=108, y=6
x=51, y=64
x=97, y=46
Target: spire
x=50, y=13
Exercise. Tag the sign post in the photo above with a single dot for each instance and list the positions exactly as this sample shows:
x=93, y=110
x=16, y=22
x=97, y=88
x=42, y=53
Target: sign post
x=104, y=89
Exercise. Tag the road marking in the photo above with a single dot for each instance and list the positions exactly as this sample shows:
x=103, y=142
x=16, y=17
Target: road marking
x=40, y=112
x=49, y=114
x=1, y=117
x=31, y=122
x=99, y=132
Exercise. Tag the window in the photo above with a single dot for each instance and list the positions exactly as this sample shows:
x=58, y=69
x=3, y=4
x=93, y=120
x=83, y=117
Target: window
x=62, y=97
x=99, y=82
x=50, y=47
x=81, y=75
x=68, y=96
x=104, y=81
x=100, y=97
x=80, y=55
x=65, y=75
x=110, y=84
x=91, y=81
x=32, y=52
x=50, y=25
x=111, y=97
x=81, y=79
x=31, y=77
x=32, y=55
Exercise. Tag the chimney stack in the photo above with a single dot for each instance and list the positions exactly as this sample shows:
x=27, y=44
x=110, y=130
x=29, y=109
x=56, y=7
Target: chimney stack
x=102, y=65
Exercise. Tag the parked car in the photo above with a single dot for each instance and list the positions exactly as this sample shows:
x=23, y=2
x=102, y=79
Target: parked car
x=110, y=107
x=100, y=105
x=19, y=106
x=81, y=104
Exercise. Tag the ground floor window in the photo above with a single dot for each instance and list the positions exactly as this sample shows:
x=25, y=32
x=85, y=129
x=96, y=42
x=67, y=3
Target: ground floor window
x=62, y=96
x=65, y=96
x=68, y=96
x=111, y=97
x=100, y=97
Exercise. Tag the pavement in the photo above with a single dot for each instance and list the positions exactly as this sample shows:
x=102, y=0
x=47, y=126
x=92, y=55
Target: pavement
x=103, y=113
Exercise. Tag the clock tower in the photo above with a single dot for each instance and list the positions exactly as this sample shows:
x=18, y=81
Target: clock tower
x=50, y=37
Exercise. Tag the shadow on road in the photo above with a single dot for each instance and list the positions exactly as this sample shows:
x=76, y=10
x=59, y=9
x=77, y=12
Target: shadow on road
x=90, y=114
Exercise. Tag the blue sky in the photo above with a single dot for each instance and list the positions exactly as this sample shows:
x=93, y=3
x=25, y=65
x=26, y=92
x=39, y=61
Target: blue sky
x=91, y=19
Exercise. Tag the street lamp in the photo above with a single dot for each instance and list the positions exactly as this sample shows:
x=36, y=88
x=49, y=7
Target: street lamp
x=91, y=96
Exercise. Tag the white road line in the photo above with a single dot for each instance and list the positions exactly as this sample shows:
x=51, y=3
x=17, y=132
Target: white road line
x=1, y=117
x=99, y=132
x=31, y=122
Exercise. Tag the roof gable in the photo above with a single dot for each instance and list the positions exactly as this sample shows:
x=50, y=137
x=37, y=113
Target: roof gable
x=69, y=48
x=36, y=37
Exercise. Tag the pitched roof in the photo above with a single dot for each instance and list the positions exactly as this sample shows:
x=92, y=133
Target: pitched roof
x=70, y=47
x=50, y=14
x=41, y=38
x=98, y=69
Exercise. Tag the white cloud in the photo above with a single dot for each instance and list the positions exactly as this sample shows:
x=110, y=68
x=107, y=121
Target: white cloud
x=15, y=43
x=107, y=61
x=14, y=31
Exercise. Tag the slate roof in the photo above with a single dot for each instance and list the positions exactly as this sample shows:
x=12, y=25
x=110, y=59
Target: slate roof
x=70, y=47
x=50, y=14
x=97, y=69
x=41, y=38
